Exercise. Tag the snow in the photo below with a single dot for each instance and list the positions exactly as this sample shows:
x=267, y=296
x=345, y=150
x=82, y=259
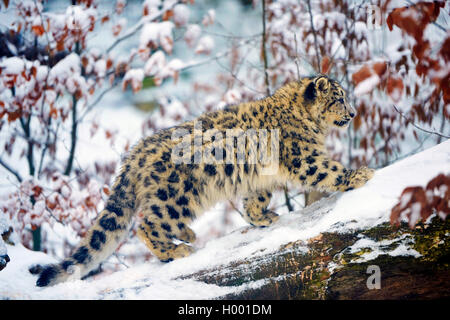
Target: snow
x=100, y=67
x=209, y=17
x=357, y=209
x=157, y=33
x=382, y=247
x=12, y=66
x=192, y=33
x=134, y=75
x=67, y=71
x=367, y=85
x=3, y=227
x=79, y=18
x=181, y=14
x=205, y=45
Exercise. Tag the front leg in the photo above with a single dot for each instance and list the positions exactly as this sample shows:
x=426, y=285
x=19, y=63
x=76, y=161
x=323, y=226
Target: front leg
x=319, y=172
x=256, y=212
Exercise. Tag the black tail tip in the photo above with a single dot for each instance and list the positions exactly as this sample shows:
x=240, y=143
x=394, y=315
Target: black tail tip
x=46, y=276
x=4, y=261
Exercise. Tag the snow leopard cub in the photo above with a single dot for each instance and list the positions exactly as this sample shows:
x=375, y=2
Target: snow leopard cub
x=171, y=194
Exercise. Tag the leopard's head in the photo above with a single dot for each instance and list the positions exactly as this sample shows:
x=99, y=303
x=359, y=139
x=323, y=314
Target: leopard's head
x=328, y=101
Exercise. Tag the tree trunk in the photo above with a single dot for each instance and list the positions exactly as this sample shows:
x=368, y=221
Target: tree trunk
x=332, y=269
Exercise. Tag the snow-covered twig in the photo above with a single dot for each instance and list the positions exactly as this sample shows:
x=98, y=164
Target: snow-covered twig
x=140, y=24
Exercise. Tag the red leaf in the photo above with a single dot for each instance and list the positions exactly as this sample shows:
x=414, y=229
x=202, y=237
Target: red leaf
x=395, y=88
x=361, y=75
x=379, y=68
x=413, y=19
x=38, y=30
x=167, y=15
x=368, y=70
x=325, y=65
x=37, y=190
x=435, y=197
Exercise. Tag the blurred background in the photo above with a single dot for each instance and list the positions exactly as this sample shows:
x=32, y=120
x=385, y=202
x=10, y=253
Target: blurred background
x=82, y=81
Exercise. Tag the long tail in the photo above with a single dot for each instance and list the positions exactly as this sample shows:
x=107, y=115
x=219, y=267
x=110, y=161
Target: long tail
x=103, y=238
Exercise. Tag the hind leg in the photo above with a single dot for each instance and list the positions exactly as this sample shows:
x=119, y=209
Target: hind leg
x=256, y=212
x=162, y=224
x=161, y=244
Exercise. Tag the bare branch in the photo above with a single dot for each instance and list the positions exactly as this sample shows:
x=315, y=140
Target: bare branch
x=234, y=76
x=96, y=101
x=332, y=60
x=316, y=46
x=213, y=58
x=73, y=136
x=417, y=127
x=264, y=50
x=11, y=170
x=296, y=56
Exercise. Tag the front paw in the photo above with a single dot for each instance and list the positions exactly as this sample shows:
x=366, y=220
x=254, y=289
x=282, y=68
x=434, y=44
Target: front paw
x=360, y=177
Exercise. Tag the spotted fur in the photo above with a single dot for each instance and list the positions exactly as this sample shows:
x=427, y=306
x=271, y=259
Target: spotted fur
x=171, y=195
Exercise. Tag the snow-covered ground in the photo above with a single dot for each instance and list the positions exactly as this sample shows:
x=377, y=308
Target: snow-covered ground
x=361, y=208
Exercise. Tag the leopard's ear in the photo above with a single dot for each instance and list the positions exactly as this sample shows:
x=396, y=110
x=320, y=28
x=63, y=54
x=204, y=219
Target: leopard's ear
x=322, y=83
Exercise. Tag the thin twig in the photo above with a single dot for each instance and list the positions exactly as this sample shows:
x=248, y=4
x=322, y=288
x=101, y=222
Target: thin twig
x=187, y=66
x=235, y=208
x=332, y=60
x=296, y=56
x=264, y=50
x=213, y=58
x=242, y=83
x=139, y=25
x=287, y=199
x=11, y=170
x=417, y=127
x=414, y=151
x=316, y=46
x=96, y=101
x=120, y=260
x=290, y=197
